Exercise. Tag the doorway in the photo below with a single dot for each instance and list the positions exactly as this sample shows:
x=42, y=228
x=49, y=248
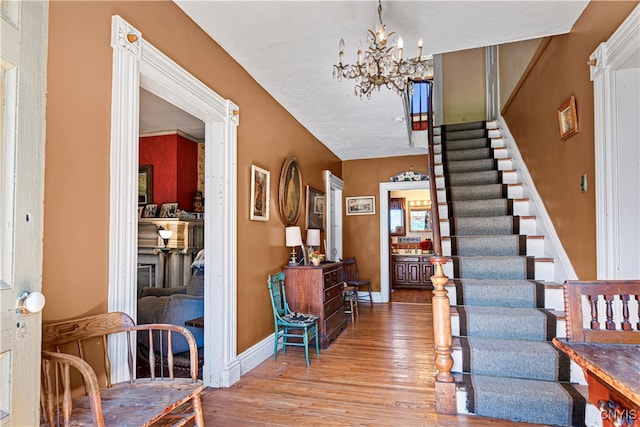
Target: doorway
x=385, y=247
x=137, y=63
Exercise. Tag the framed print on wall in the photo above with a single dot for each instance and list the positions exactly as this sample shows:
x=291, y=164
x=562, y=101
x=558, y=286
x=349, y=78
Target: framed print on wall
x=419, y=219
x=145, y=184
x=315, y=208
x=362, y=205
x=568, y=118
x=260, y=185
x=290, y=191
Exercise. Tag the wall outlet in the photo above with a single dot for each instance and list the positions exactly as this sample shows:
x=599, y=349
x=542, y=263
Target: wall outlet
x=583, y=183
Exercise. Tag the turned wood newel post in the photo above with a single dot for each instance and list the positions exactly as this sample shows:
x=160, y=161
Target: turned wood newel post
x=445, y=385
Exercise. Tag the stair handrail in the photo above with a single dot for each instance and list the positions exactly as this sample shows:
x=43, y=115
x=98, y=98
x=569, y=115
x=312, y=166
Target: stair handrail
x=445, y=385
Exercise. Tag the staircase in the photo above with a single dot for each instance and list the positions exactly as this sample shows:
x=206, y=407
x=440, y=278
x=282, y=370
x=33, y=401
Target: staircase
x=505, y=306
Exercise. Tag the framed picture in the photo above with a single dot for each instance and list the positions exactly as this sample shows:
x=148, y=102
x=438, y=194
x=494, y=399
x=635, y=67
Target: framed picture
x=315, y=208
x=260, y=184
x=169, y=210
x=363, y=205
x=140, y=211
x=145, y=184
x=419, y=219
x=568, y=118
x=290, y=191
x=397, y=216
x=150, y=210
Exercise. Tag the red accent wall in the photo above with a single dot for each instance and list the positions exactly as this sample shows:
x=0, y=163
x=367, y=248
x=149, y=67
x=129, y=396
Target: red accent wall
x=175, y=168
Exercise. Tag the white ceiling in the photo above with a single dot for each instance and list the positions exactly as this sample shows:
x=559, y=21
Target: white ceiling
x=289, y=47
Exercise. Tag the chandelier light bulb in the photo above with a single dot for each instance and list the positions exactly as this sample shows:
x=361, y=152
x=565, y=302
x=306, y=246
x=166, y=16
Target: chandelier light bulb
x=400, y=46
x=341, y=47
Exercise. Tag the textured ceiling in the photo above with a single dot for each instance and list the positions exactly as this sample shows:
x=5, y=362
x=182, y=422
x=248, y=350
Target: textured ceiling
x=289, y=47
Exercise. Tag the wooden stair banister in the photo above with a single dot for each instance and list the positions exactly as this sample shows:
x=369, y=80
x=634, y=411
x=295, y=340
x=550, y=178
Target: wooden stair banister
x=445, y=384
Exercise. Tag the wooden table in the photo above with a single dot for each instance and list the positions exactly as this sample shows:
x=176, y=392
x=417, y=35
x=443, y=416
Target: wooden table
x=198, y=322
x=612, y=372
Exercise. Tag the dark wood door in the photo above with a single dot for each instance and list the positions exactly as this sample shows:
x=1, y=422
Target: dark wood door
x=399, y=272
x=414, y=273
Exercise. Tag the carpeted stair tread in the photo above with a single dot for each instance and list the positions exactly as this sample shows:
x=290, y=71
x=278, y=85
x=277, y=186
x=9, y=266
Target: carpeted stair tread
x=525, y=400
x=506, y=323
x=483, y=225
x=475, y=178
x=464, y=134
x=454, y=127
x=477, y=192
x=487, y=207
x=489, y=245
x=471, y=165
x=525, y=359
x=467, y=144
x=499, y=293
x=473, y=154
x=493, y=267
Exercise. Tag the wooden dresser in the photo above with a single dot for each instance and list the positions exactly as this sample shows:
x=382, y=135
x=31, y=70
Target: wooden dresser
x=318, y=290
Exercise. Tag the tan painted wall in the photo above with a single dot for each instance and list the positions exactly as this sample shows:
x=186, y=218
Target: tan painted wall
x=463, y=86
x=513, y=59
x=556, y=165
x=75, y=278
x=361, y=233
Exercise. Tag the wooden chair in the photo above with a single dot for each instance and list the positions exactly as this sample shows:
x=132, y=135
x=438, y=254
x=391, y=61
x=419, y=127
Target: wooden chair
x=350, y=295
x=304, y=326
x=598, y=299
x=351, y=276
x=137, y=402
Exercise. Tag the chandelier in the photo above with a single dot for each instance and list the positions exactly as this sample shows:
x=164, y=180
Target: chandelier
x=382, y=64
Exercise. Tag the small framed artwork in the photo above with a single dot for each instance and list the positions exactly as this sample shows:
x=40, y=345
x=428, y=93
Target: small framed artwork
x=169, y=210
x=315, y=208
x=419, y=219
x=140, y=211
x=150, y=210
x=568, y=118
x=290, y=191
x=260, y=185
x=362, y=205
x=145, y=184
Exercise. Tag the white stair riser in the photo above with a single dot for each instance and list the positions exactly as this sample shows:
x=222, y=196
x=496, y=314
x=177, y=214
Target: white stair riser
x=505, y=164
x=494, y=133
x=491, y=124
x=510, y=177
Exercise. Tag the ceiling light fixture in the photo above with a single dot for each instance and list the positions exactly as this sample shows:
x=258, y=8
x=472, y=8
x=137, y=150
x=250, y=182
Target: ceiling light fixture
x=382, y=63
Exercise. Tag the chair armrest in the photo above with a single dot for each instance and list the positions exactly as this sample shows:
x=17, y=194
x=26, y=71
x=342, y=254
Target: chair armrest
x=49, y=385
x=162, y=292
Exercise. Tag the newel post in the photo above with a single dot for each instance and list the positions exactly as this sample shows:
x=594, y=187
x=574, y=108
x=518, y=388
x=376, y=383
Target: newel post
x=445, y=384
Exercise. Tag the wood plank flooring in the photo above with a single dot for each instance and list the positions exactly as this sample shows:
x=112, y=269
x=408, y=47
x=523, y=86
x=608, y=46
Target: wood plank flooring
x=379, y=372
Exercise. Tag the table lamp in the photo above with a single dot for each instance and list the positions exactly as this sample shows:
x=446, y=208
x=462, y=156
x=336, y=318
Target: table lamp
x=313, y=239
x=293, y=238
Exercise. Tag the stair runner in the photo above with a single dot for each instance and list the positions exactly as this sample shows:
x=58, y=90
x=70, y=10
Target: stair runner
x=511, y=369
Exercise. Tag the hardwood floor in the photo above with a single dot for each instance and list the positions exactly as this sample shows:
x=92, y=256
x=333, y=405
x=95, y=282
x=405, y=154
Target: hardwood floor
x=379, y=372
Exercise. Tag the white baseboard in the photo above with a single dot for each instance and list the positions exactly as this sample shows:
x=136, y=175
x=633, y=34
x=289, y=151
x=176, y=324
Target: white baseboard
x=256, y=354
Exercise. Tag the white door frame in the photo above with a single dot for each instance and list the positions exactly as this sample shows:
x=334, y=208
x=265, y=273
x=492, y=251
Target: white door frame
x=609, y=57
x=333, y=208
x=137, y=63
x=385, y=189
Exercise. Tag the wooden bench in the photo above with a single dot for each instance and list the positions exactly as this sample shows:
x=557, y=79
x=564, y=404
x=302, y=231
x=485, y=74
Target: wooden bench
x=137, y=402
x=603, y=333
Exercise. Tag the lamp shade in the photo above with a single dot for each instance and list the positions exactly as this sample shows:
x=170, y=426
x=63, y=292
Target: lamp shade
x=165, y=234
x=313, y=237
x=293, y=236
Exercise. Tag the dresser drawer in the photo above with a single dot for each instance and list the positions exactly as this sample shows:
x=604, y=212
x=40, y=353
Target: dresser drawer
x=330, y=306
x=331, y=277
x=333, y=291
